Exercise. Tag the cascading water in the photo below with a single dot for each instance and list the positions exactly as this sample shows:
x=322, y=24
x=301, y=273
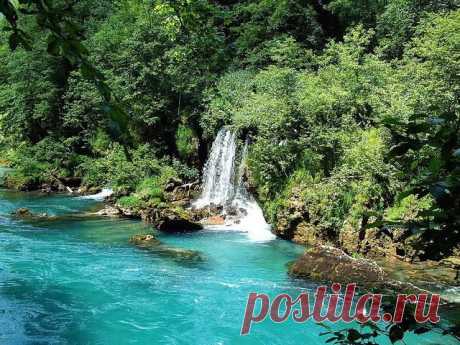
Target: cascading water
x=101, y=196
x=218, y=187
x=223, y=185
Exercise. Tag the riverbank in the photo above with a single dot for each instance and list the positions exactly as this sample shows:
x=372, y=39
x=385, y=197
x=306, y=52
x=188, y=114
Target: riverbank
x=175, y=214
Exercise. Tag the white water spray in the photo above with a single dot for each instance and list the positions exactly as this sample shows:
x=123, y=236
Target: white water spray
x=101, y=196
x=224, y=186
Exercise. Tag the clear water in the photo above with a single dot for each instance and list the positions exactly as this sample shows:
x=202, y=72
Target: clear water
x=78, y=281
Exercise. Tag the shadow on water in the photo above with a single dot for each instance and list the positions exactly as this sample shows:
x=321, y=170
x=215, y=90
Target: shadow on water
x=48, y=313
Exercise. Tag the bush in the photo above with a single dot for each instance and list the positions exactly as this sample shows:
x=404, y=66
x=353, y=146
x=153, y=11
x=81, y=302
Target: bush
x=44, y=162
x=116, y=171
x=131, y=202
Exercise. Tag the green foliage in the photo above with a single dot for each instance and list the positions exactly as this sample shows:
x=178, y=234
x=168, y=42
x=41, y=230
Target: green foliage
x=363, y=123
x=409, y=209
x=186, y=142
x=114, y=169
x=48, y=160
x=131, y=202
x=261, y=20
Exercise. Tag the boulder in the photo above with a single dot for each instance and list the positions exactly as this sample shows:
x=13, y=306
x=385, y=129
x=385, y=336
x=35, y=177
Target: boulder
x=128, y=212
x=25, y=213
x=109, y=211
x=200, y=214
x=22, y=213
x=179, y=255
x=425, y=273
x=173, y=219
x=177, y=225
x=46, y=188
x=453, y=262
x=331, y=264
x=153, y=245
x=144, y=241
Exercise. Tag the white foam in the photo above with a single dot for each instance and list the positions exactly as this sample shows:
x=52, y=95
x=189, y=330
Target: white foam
x=101, y=196
x=254, y=223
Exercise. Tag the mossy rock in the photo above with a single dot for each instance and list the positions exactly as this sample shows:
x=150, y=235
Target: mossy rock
x=153, y=245
x=144, y=241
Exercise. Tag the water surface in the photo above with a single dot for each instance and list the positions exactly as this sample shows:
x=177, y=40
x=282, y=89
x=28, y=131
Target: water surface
x=77, y=280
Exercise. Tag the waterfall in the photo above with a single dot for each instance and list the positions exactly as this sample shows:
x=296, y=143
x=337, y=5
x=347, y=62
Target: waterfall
x=223, y=185
x=101, y=196
x=218, y=187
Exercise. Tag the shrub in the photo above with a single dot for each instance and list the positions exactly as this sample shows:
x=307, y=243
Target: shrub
x=131, y=202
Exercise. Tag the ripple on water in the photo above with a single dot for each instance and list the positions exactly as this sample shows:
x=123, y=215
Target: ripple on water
x=81, y=282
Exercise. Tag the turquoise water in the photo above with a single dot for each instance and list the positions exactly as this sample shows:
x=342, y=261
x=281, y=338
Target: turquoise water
x=76, y=280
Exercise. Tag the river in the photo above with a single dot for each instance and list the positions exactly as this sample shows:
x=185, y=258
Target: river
x=76, y=280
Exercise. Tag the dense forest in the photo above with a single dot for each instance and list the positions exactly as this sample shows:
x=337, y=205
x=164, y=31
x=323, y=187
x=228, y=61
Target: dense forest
x=352, y=108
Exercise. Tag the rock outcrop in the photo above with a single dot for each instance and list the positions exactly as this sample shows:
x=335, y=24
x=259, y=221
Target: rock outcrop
x=144, y=241
x=173, y=214
x=329, y=264
x=325, y=263
x=150, y=243
x=171, y=219
x=25, y=213
x=297, y=221
x=109, y=211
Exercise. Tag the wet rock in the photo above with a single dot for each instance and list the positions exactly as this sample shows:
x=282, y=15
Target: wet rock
x=243, y=212
x=109, y=211
x=453, y=262
x=22, y=213
x=61, y=188
x=233, y=211
x=46, y=188
x=145, y=241
x=326, y=263
x=199, y=214
x=329, y=264
x=421, y=273
x=152, y=244
x=25, y=213
x=128, y=212
x=216, y=209
x=85, y=190
x=214, y=220
x=183, y=256
x=172, y=219
x=177, y=225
